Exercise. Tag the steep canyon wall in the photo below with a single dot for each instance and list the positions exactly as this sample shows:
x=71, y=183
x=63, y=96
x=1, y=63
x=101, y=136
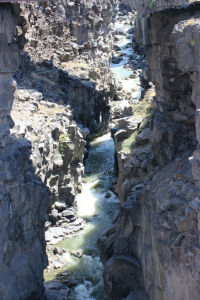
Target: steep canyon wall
x=59, y=56
x=23, y=198
x=157, y=227
x=64, y=85
x=152, y=249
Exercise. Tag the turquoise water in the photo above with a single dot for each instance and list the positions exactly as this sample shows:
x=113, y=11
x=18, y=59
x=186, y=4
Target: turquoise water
x=119, y=70
x=97, y=212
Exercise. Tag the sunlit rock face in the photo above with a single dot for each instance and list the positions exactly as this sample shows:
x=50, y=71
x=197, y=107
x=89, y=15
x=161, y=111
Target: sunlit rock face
x=74, y=68
x=158, y=221
x=173, y=59
x=23, y=198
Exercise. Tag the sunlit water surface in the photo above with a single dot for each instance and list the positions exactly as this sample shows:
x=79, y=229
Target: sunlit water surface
x=98, y=212
x=122, y=71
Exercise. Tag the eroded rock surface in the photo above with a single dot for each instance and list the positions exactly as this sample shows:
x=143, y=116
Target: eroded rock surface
x=55, y=85
x=23, y=200
x=57, y=154
x=74, y=68
x=152, y=249
x=158, y=181
x=63, y=95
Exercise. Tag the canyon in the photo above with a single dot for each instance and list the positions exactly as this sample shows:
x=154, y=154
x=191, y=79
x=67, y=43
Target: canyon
x=99, y=146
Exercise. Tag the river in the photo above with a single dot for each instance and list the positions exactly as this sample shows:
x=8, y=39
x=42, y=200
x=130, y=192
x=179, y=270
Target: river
x=96, y=204
x=124, y=74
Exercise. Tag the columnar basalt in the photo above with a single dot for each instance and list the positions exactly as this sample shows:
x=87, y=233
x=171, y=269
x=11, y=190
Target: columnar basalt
x=173, y=59
x=148, y=7
x=54, y=86
x=77, y=39
x=158, y=220
x=24, y=198
x=152, y=249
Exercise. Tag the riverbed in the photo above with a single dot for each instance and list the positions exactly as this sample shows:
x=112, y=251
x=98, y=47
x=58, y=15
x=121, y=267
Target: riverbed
x=97, y=205
x=125, y=75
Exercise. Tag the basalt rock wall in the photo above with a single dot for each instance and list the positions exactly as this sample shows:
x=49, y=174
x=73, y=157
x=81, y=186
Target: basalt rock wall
x=23, y=200
x=64, y=87
x=57, y=82
x=158, y=222
x=72, y=42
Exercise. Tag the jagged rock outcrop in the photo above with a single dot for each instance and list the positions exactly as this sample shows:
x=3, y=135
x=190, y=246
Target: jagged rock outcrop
x=54, y=86
x=23, y=200
x=158, y=220
x=173, y=61
x=57, y=153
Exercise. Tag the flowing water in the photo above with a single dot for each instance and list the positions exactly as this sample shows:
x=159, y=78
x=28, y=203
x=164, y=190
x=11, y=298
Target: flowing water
x=98, y=211
x=122, y=71
x=96, y=203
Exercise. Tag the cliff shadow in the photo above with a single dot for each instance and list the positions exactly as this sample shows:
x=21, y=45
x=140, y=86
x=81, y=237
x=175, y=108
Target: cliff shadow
x=90, y=106
x=23, y=212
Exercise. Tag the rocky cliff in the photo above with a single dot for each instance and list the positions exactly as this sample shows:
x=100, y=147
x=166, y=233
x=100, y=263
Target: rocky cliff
x=154, y=240
x=24, y=198
x=74, y=68
x=63, y=91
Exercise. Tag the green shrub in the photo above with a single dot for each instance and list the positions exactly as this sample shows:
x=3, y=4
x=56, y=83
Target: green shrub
x=128, y=144
x=62, y=143
x=151, y=2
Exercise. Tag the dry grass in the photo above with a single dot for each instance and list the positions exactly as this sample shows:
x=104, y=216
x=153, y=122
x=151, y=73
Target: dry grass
x=51, y=111
x=75, y=64
x=192, y=43
x=144, y=108
x=151, y=3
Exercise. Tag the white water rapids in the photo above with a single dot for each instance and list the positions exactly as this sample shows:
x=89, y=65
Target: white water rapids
x=98, y=211
x=122, y=72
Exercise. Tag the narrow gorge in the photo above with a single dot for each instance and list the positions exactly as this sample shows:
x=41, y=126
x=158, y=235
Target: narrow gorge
x=99, y=150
